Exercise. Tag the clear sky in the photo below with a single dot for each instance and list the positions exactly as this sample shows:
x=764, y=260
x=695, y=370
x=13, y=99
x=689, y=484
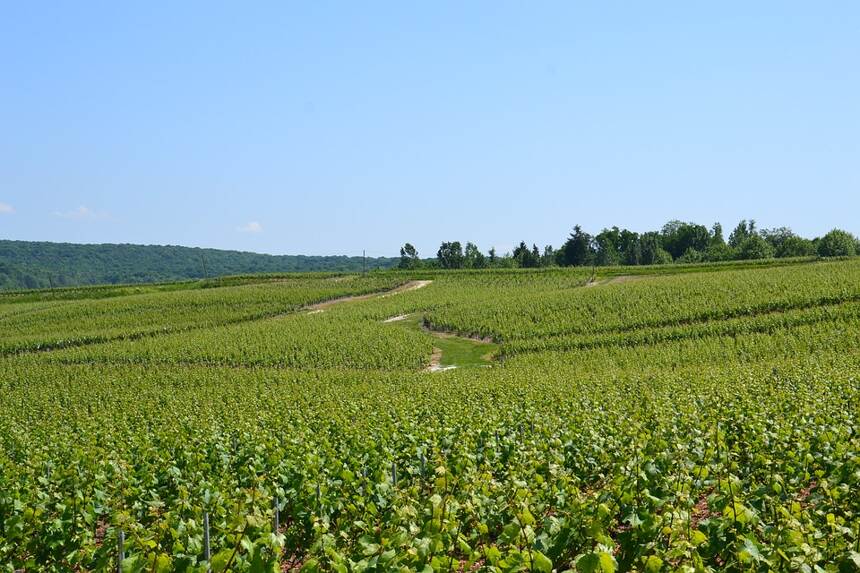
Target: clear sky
x=329, y=127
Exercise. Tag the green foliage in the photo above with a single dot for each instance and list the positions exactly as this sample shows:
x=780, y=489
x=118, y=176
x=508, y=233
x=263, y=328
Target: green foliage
x=607, y=245
x=679, y=237
x=409, y=257
x=742, y=232
x=795, y=247
x=652, y=251
x=474, y=258
x=661, y=257
x=719, y=251
x=671, y=420
x=578, y=250
x=717, y=235
x=691, y=255
x=57, y=324
x=25, y=264
x=544, y=312
x=837, y=243
x=450, y=255
x=754, y=247
x=527, y=258
x=630, y=247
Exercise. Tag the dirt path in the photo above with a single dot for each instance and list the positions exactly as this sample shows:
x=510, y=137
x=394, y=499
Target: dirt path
x=436, y=362
x=411, y=285
x=405, y=287
x=620, y=279
x=465, y=351
x=397, y=318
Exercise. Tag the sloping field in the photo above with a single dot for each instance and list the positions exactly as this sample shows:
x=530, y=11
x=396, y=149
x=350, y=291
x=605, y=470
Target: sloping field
x=700, y=421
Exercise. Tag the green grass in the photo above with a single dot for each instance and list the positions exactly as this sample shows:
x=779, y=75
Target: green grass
x=456, y=351
x=464, y=353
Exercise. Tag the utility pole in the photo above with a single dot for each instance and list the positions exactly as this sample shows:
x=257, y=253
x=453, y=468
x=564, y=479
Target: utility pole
x=363, y=261
x=203, y=260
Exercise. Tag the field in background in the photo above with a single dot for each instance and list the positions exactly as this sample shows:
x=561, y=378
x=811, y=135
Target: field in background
x=628, y=419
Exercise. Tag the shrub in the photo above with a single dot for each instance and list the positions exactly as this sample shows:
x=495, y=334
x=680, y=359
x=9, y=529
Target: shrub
x=795, y=247
x=662, y=257
x=720, y=252
x=755, y=247
x=691, y=255
x=837, y=243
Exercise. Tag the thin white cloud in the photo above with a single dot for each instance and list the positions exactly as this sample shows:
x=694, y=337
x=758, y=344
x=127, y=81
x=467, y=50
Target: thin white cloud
x=252, y=227
x=82, y=213
x=6, y=208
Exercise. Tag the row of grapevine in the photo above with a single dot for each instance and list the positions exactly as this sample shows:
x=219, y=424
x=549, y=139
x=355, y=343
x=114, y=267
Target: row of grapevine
x=523, y=313
x=300, y=340
x=514, y=468
x=31, y=326
x=698, y=422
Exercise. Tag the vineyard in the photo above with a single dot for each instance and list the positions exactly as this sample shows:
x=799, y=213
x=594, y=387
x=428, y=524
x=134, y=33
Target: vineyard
x=703, y=420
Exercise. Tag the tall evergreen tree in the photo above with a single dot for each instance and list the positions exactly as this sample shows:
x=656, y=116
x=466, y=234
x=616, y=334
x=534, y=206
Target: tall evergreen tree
x=578, y=249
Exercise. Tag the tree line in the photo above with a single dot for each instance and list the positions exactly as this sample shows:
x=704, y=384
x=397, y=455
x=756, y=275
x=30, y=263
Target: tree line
x=29, y=264
x=676, y=242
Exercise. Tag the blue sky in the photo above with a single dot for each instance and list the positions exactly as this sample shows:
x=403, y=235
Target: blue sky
x=332, y=127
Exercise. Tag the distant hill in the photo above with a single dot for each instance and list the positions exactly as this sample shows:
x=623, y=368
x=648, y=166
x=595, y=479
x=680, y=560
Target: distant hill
x=29, y=264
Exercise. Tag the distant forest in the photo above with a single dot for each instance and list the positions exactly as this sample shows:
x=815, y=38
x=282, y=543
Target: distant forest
x=676, y=242
x=26, y=264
